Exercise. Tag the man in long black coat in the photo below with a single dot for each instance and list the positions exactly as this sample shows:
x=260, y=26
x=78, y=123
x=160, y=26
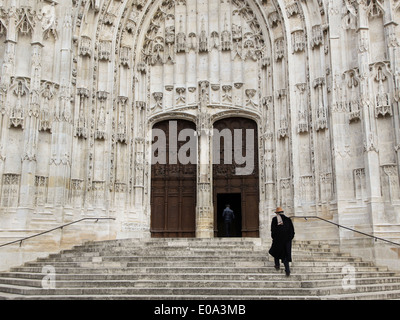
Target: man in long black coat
x=282, y=233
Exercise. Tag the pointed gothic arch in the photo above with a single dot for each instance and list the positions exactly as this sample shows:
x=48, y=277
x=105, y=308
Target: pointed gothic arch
x=202, y=60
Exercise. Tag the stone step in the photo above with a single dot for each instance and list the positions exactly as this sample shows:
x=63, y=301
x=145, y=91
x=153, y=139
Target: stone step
x=193, y=276
x=181, y=258
x=198, y=269
x=192, y=245
x=187, y=261
x=181, y=283
x=121, y=253
x=24, y=290
x=158, y=284
x=357, y=281
x=381, y=295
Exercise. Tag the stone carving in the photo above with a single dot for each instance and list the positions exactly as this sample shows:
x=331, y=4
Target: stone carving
x=302, y=122
x=250, y=93
x=307, y=192
x=203, y=39
x=322, y=121
x=279, y=49
x=180, y=39
x=227, y=93
x=316, y=36
x=273, y=19
x=203, y=93
x=353, y=99
x=181, y=95
x=17, y=114
x=100, y=132
x=26, y=20
x=10, y=190
x=382, y=100
x=283, y=130
x=46, y=108
x=41, y=184
x=359, y=183
x=81, y=123
x=292, y=9
x=122, y=120
x=95, y=5
x=226, y=37
x=158, y=97
x=85, y=46
x=298, y=41
x=104, y=50
x=391, y=172
x=124, y=56
x=49, y=21
x=374, y=8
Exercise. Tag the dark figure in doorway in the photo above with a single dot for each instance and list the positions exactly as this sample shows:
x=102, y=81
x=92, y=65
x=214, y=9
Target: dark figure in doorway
x=282, y=233
x=228, y=217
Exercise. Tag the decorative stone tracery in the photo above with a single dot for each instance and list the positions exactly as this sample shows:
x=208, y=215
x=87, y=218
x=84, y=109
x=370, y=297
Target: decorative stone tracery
x=77, y=111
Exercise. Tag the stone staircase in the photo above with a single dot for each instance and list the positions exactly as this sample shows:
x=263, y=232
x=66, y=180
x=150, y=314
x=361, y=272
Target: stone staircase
x=221, y=268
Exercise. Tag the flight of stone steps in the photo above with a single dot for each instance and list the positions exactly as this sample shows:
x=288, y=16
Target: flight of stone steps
x=220, y=268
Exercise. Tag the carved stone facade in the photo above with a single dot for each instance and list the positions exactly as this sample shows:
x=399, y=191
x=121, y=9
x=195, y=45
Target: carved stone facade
x=83, y=82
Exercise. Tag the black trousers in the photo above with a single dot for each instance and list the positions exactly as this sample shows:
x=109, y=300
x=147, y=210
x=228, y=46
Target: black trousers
x=228, y=225
x=285, y=263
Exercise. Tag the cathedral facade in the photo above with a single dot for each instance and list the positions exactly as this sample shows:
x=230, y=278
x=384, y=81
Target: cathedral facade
x=86, y=84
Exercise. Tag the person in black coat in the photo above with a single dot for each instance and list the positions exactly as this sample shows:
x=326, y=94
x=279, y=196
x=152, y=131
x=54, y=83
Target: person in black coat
x=282, y=233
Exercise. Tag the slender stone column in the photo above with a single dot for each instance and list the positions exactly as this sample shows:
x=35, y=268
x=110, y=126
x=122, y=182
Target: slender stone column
x=204, y=209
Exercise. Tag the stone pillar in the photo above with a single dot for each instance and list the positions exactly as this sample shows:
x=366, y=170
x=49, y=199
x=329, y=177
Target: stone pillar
x=372, y=171
x=60, y=161
x=204, y=209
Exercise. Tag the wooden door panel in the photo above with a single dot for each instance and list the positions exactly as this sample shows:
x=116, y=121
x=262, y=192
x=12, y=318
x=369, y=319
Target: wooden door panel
x=173, y=192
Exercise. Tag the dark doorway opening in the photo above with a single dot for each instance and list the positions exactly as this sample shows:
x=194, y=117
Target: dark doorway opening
x=235, y=202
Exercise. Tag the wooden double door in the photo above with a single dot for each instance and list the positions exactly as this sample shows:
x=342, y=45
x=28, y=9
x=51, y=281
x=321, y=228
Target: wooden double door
x=174, y=185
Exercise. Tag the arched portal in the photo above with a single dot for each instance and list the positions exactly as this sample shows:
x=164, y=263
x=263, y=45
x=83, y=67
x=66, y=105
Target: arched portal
x=202, y=60
x=173, y=179
x=235, y=175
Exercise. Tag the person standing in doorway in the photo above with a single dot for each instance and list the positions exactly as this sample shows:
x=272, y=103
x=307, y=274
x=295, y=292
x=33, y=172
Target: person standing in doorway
x=228, y=217
x=282, y=233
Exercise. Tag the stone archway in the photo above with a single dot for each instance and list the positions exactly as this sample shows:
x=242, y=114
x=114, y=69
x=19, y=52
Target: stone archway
x=202, y=60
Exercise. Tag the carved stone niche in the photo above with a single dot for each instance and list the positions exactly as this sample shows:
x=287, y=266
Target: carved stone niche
x=279, y=49
x=316, y=36
x=383, y=106
x=353, y=98
x=298, y=41
x=124, y=56
x=292, y=9
x=227, y=93
x=181, y=98
x=104, y=50
x=158, y=97
x=273, y=19
x=250, y=94
x=20, y=90
x=85, y=46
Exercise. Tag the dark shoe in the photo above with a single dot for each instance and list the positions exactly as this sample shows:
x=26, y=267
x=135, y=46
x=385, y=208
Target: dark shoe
x=276, y=267
x=287, y=273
